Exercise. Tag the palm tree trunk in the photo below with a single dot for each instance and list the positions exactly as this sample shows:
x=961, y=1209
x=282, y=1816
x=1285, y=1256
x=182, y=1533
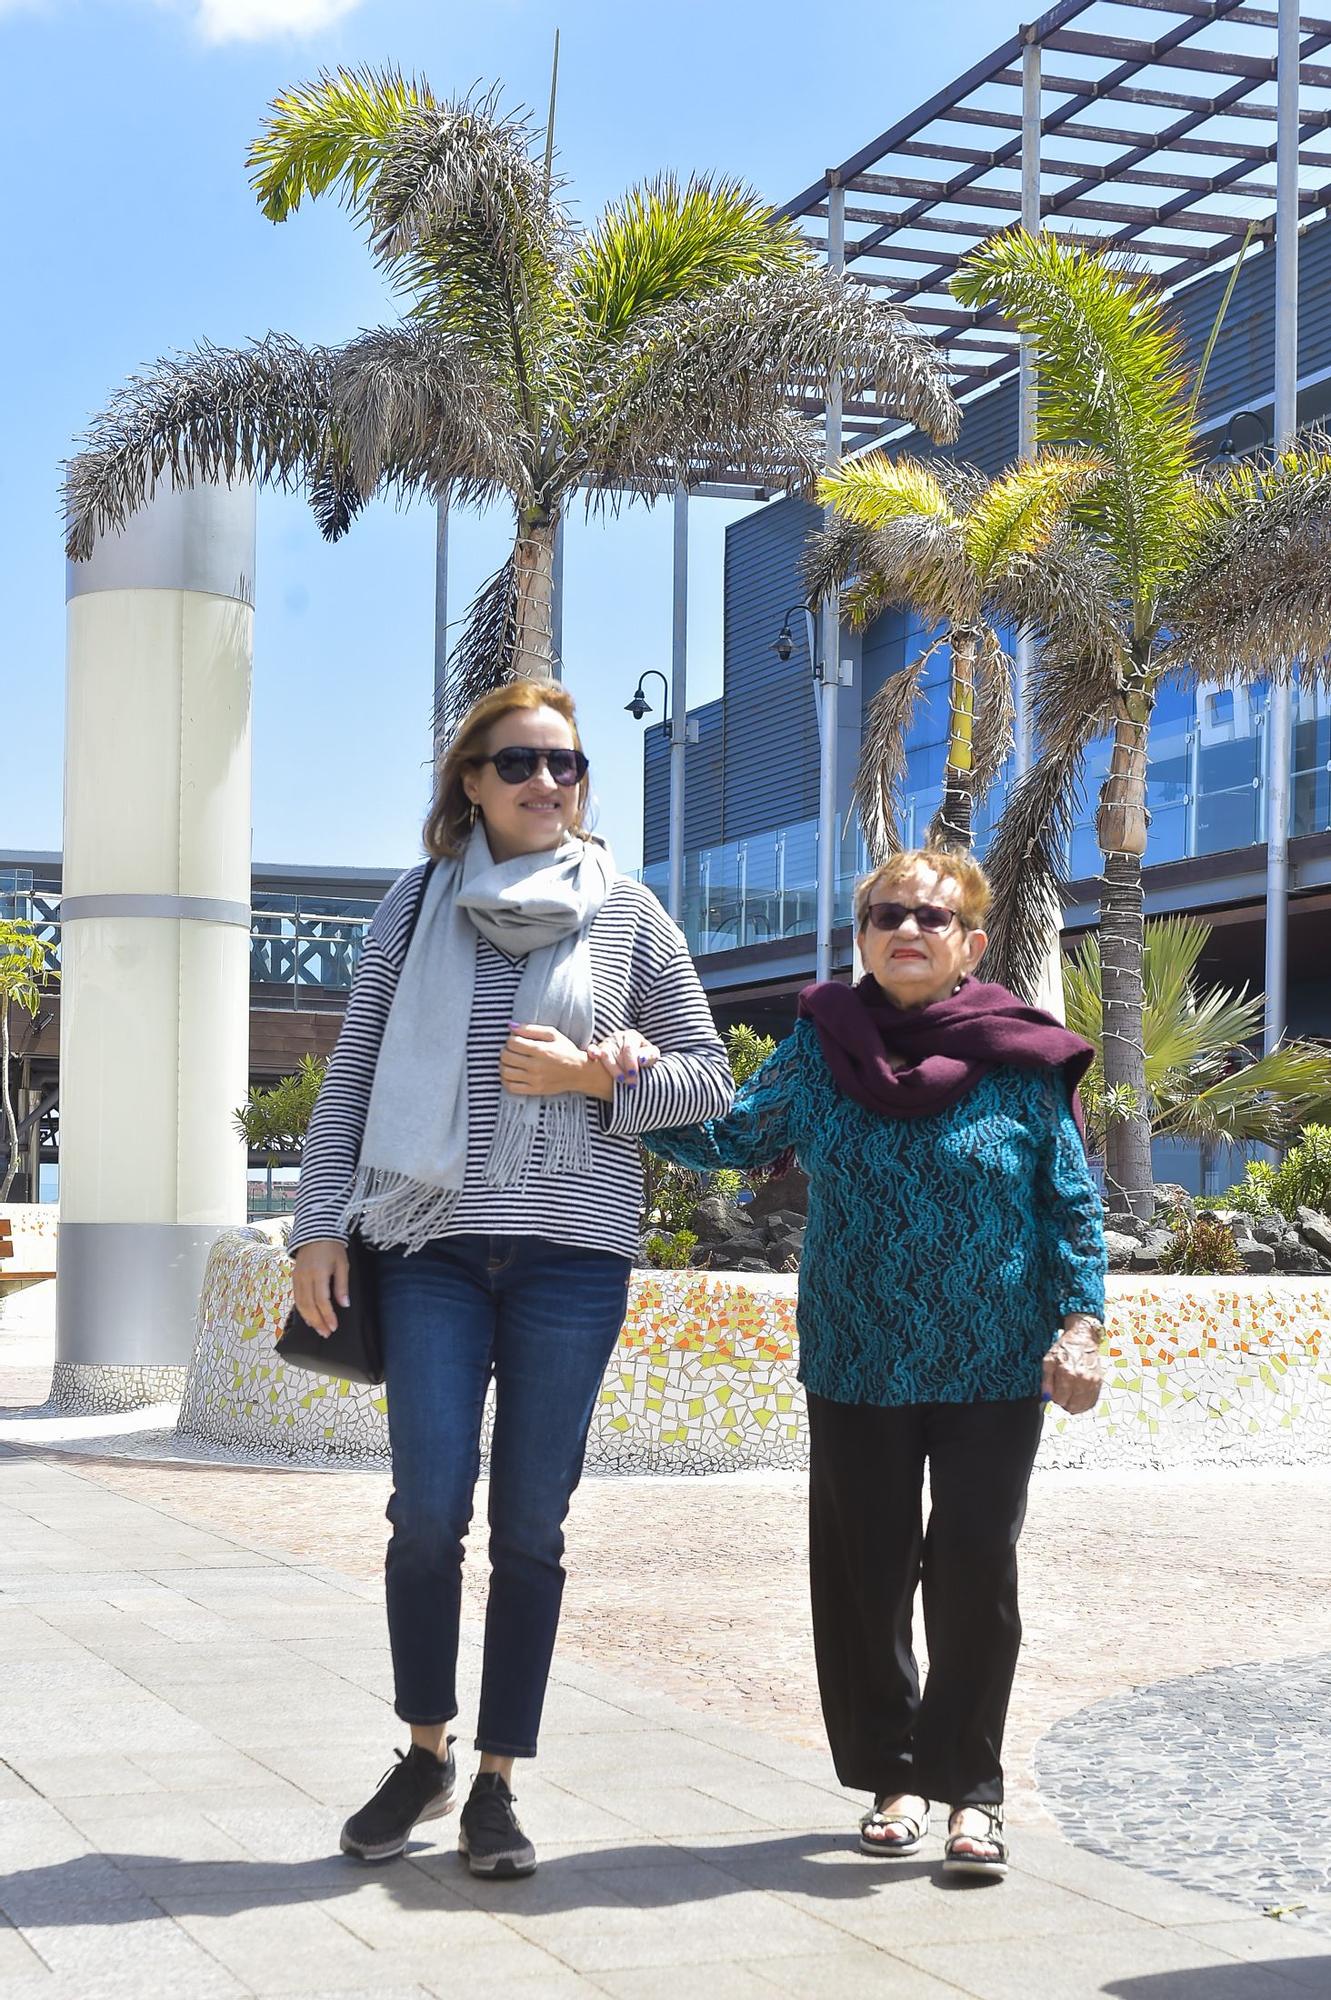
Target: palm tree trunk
x=534, y=570
x=1120, y=827
x=11, y=1123
x=952, y=828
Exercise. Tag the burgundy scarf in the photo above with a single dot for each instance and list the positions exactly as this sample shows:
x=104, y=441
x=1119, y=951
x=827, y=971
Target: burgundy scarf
x=948, y=1046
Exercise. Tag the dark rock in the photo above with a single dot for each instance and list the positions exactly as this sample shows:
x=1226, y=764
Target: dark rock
x=1299, y=1260
x=1120, y=1249
x=1315, y=1229
x=1170, y=1198
x=1146, y=1255
x=1272, y=1229
x=751, y=1264
x=782, y=1221
x=716, y=1220
x=1257, y=1257
x=1128, y=1225
x=788, y=1192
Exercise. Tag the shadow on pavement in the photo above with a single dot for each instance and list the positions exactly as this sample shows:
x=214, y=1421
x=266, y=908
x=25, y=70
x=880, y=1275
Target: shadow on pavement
x=115, y=1888
x=1252, y=1979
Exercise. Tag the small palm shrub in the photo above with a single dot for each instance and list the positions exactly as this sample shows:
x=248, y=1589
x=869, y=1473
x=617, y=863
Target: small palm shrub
x=670, y=1253
x=1201, y=1247
x=1302, y=1180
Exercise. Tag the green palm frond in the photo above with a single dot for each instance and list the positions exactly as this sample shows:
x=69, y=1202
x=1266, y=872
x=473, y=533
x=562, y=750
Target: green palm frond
x=875, y=490
x=1113, y=378
x=666, y=242
x=1202, y=1078
x=330, y=132
x=1018, y=514
x=1265, y=1100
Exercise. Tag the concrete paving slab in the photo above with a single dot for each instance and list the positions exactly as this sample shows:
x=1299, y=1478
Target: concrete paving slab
x=1164, y=1966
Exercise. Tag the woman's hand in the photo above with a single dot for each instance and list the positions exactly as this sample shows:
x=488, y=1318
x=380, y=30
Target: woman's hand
x=540, y=1062
x=1073, y=1368
x=623, y=1054
x=321, y=1276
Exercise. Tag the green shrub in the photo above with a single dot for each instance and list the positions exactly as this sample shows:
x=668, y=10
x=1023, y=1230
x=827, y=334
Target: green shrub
x=746, y=1050
x=1302, y=1180
x=668, y=1253
x=1201, y=1248
x=1254, y=1193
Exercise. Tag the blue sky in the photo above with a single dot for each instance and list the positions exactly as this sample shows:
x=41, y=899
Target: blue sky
x=131, y=231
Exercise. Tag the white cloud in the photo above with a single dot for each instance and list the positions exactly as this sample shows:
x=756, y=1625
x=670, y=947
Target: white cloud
x=258, y=20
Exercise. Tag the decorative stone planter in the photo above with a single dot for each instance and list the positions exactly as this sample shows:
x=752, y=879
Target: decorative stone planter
x=1203, y=1371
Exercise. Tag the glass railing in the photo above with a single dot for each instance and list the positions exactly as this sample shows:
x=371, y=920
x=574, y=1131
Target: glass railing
x=760, y=889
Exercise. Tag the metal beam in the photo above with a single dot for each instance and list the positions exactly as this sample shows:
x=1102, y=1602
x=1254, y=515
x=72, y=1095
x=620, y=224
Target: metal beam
x=1026, y=383
x=1280, y=712
x=679, y=698
x=831, y=651
x=440, y=621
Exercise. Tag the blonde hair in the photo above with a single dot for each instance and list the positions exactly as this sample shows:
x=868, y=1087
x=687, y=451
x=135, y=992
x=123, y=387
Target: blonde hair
x=452, y=814
x=975, y=894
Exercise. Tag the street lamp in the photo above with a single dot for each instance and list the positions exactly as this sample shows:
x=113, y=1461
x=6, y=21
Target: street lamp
x=640, y=706
x=1227, y=447
x=785, y=638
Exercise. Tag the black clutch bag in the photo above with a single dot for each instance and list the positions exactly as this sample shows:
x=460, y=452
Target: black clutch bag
x=355, y=1353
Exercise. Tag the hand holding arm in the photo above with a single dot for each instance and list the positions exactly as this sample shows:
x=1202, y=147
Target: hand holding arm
x=1074, y=1368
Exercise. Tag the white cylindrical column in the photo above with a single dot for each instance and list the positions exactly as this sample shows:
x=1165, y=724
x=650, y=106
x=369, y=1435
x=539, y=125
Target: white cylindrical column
x=155, y=920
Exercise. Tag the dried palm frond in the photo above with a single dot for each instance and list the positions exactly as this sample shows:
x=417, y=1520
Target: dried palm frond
x=261, y=413
x=995, y=715
x=1025, y=867
x=483, y=657
x=883, y=760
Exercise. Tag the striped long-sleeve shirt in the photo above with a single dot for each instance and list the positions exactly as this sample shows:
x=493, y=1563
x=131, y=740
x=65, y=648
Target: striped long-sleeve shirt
x=642, y=978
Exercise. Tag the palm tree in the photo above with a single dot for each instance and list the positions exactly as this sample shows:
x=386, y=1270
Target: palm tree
x=940, y=538
x=1204, y=1081
x=1177, y=572
x=671, y=342
x=25, y=969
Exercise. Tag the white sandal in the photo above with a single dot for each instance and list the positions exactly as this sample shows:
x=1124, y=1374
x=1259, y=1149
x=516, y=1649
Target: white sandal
x=893, y=1848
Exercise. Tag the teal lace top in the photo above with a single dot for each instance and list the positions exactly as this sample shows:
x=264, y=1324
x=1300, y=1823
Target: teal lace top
x=942, y=1253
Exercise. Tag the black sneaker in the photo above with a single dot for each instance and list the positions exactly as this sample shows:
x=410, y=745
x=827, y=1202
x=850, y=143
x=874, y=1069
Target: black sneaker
x=419, y=1786
x=489, y=1834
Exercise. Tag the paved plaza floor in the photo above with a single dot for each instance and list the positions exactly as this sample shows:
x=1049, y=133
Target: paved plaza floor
x=194, y=1689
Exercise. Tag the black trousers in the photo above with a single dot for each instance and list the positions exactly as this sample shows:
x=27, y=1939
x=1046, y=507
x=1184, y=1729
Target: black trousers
x=868, y=1549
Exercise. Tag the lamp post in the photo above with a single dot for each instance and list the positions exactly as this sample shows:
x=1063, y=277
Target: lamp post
x=676, y=737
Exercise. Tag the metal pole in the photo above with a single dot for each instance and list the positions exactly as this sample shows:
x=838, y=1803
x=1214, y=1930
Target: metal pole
x=679, y=700
x=1026, y=388
x=440, y=620
x=557, y=601
x=1286, y=422
x=827, y=775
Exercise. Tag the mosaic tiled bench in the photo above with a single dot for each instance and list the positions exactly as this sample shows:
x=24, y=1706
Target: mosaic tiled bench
x=1203, y=1371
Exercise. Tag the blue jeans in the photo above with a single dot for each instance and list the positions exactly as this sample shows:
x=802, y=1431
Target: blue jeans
x=543, y=1319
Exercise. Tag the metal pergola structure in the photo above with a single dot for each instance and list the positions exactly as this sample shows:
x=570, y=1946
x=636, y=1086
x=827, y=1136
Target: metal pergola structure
x=1146, y=127
x=1170, y=131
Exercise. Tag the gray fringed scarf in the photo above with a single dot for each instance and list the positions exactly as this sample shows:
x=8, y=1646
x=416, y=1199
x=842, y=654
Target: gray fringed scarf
x=414, y=1153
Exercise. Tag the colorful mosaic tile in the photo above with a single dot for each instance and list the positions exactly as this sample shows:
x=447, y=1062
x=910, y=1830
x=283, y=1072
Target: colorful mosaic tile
x=1201, y=1371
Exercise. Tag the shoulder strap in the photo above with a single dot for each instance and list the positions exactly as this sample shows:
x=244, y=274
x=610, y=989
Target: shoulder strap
x=418, y=904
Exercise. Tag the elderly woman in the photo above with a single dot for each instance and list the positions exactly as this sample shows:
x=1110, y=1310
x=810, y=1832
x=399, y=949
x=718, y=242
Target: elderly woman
x=952, y=1281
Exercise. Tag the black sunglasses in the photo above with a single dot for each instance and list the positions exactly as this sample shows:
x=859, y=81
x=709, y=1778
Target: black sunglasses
x=518, y=764
x=929, y=916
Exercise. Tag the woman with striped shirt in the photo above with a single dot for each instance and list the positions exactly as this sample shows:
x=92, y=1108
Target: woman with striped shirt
x=477, y=1128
